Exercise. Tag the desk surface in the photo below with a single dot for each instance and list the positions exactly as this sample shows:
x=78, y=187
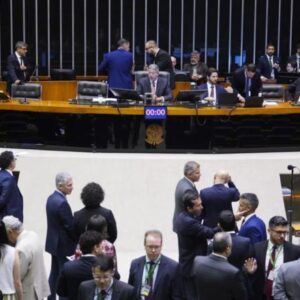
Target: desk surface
x=65, y=107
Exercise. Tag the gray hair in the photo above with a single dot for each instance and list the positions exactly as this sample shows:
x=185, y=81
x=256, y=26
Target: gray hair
x=21, y=44
x=12, y=223
x=153, y=67
x=61, y=178
x=190, y=167
x=221, y=241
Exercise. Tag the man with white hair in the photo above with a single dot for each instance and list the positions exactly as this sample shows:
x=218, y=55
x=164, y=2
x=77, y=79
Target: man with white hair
x=32, y=267
x=60, y=240
x=218, y=198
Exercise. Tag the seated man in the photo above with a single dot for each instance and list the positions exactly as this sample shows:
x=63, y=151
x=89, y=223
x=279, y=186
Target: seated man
x=158, y=86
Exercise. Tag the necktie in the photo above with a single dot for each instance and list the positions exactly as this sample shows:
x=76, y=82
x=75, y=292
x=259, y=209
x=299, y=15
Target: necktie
x=150, y=273
x=271, y=266
x=102, y=295
x=212, y=91
x=243, y=222
x=153, y=90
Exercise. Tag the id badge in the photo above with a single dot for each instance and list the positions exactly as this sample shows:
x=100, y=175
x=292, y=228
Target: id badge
x=271, y=275
x=145, y=291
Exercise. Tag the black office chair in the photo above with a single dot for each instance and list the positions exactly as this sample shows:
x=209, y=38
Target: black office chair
x=62, y=74
x=87, y=90
x=26, y=91
x=141, y=74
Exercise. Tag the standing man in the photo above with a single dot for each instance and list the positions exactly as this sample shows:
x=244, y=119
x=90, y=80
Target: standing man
x=158, y=86
x=154, y=276
x=32, y=266
x=246, y=81
x=60, y=240
x=192, y=174
x=118, y=64
x=217, y=198
x=104, y=286
x=11, y=199
x=295, y=58
x=252, y=226
x=270, y=255
x=18, y=66
x=215, y=277
x=162, y=59
x=269, y=64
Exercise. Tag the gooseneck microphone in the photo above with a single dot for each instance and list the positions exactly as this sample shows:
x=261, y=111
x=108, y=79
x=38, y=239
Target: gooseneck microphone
x=291, y=167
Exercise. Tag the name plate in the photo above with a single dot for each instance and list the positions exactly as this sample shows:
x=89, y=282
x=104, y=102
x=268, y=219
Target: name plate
x=155, y=112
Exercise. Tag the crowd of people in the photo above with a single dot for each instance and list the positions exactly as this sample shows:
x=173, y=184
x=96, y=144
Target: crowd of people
x=217, y=260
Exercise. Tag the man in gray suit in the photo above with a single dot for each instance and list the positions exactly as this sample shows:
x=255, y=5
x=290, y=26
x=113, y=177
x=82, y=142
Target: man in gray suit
x=104, y=286
x=215, y=277
x=192, y=174
x=287, y=282
x=32, y=266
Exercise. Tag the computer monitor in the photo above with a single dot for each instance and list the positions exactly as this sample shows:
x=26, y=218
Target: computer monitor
x=126, y=94
x=287, y=78
x=62, y=74
x=191, y=95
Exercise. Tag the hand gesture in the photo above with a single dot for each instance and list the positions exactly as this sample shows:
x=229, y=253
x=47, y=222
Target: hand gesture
x=250, y=265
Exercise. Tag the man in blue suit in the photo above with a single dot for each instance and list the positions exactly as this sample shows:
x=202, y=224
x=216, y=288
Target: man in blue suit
x=154, y=276
x=252, y=227
x=11, y=199
x=118, y=64
x=217, y=198
x=269, y=64
x=60, y=239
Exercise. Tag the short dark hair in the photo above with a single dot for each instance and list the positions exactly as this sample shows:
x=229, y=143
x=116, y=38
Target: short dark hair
x=104, y=262
x=188, y=198
x=210, y=71
x=270, y=45
x=278, y=221
x=153, y=232
x=92, y=195
x=227, y=220
x=88, y=240
x=221, y=241
x=121, y=42
x=251, y=199
x=3, y=239
x=251, y=68
x=6, y=158
x=99, y=224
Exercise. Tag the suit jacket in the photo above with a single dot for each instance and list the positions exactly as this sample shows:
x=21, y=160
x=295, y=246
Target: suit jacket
x=192, y=240
x=82, y=216
x=60, y=239
x=118, y=65
x=162, y=88
x=216, y=278
x=290, y=253
x=164, y=62
x=295, y=87
x=14, y=71
x=219, y=89
x=255, y=229
x=182, y=186
x=166, y=283
x=287, y=283
x=201, y=70
x=121, y=291
x=265, y=68
x=32, y=266
x=72, y=274
x=216, y=199
x=11, y=199
x=239, y=82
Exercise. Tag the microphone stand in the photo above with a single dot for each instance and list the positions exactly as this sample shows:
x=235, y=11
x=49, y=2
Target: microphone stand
x=290, y=209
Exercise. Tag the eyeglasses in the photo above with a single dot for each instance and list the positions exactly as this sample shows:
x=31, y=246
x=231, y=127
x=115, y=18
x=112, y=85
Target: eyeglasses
x=278, y=232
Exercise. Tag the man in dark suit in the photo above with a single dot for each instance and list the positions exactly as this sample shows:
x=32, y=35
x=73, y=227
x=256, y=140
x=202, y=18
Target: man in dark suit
x=18, y=68
x=268, y=64
x=11, y=199
x=295, y=58
x=156, y=85
x=192, y=238
x=162, y=59
x=192, y=174
x=295, y=88
x=60, y=239
x=218, y=198
x=104, y=286
x=215, y=277
x=252, y=227
x=246, y=81
x=92, y=196
x=118, y=64
x=154, y=276
x=270, y=255
x=78, y=270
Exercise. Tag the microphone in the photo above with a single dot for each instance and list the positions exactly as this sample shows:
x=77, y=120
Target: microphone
x=34, y=73
x=291, y=167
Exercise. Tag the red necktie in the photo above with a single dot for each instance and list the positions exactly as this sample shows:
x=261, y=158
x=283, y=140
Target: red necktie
x=271, y=266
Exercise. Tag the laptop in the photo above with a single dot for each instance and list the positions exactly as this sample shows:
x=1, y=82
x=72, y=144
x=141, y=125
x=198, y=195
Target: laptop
x=254, y=101
x=227, y=100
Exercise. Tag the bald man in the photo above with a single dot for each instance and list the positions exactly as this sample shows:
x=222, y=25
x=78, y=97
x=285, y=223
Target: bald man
x=218, y=198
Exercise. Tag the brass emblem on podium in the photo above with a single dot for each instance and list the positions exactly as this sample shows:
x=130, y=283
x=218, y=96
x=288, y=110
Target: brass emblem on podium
x=154, y=134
